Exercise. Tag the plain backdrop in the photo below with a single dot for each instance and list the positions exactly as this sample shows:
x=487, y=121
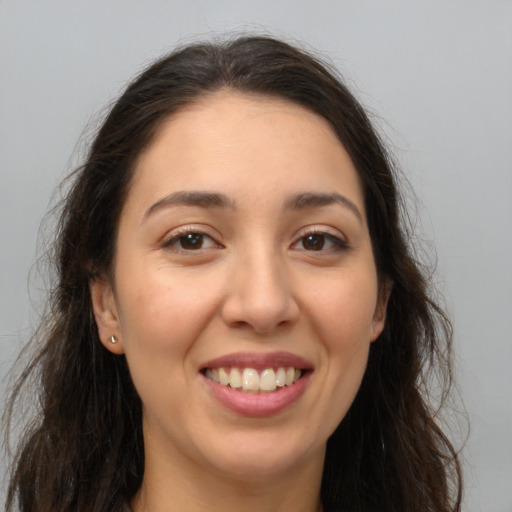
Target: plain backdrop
x=437, y=75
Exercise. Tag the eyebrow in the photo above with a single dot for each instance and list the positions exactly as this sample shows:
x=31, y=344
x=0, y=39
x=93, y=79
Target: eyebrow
x=308, y=200
x=302, y=201
x=192, y=198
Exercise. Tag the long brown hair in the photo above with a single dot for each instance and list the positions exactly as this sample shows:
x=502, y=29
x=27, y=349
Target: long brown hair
x=84, y=450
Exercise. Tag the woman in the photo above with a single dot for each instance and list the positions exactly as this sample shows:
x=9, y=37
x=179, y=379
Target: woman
x=239, y=322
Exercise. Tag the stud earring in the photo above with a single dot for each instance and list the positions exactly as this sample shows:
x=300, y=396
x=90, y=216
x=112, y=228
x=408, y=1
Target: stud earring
x=113, y=339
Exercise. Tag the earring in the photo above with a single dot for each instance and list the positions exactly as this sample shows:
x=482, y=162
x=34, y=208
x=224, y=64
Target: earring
x=113, y=339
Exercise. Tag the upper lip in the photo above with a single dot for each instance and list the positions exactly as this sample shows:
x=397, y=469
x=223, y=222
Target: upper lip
x=259, y=361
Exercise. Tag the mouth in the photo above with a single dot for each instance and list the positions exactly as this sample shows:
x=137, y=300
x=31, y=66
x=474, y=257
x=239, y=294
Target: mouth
x=257, y=384
x=252, y=380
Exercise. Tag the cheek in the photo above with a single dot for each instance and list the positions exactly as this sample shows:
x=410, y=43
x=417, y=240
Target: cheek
x=162, y=318
x=343, y=309
x=162, y=308
x=346, y=333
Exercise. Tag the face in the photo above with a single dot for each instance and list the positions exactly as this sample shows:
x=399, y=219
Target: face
x=243, y=259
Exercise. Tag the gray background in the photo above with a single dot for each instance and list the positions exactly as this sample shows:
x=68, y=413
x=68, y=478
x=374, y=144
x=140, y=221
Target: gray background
x=437, y=73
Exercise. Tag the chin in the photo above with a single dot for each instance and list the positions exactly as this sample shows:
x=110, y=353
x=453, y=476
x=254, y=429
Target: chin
x=262, y=456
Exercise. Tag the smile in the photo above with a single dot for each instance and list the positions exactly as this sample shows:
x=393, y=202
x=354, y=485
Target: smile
x=249, y=380
x=255, y=384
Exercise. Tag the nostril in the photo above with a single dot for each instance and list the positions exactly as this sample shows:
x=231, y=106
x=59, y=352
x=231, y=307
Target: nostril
x=240, y=324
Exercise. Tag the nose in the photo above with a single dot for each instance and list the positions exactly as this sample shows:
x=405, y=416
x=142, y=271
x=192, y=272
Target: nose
x=259, y=294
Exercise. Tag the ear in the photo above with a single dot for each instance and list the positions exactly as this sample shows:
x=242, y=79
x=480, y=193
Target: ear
x=105, y=314
x=379, y=316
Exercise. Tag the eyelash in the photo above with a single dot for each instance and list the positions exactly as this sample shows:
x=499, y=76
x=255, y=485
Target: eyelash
x=179, y=237
x=338, y=245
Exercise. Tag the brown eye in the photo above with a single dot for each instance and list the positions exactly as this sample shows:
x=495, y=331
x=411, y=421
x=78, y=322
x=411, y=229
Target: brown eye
x=313, y=242
x=191, y=241
x=321, y=242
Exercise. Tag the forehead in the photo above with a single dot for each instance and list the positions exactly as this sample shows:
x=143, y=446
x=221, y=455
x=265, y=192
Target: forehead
x=244, y=144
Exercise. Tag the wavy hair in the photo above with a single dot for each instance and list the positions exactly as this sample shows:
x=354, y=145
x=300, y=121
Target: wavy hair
x=84, y=449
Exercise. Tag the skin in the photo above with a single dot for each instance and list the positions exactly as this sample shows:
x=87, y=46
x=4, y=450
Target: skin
x=255, y=284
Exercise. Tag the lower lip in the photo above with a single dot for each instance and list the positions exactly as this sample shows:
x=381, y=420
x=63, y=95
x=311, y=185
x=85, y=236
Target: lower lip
x=258, y=404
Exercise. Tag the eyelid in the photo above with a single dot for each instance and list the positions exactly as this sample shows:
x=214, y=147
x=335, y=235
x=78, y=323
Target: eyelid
x=174, y=235
x=337, y=238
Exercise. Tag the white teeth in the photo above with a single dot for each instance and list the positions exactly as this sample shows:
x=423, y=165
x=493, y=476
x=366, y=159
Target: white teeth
x=290, y=374
x=249, y=380
x=223, y=377
x=280, y=377
x=268, y=380
x=235, y=378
